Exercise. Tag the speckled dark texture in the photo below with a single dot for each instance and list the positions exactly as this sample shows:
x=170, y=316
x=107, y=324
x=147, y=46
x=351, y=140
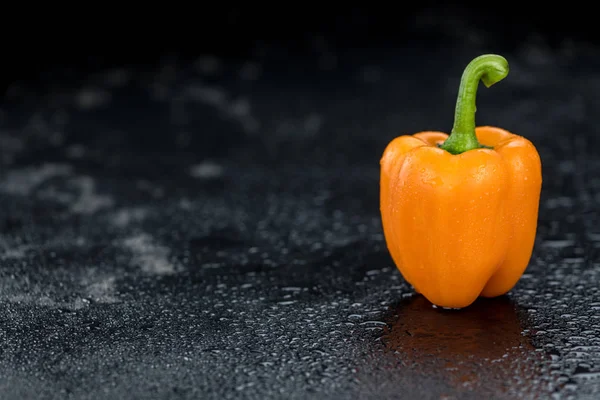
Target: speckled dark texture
x=211, y=230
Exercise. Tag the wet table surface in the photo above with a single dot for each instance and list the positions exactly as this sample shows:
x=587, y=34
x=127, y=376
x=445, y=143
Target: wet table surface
x=211, y=230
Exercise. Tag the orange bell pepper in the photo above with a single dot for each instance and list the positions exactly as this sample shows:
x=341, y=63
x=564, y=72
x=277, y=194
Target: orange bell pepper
x=459, y=211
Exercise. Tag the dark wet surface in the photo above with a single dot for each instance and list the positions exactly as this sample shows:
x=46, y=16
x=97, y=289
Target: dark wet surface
x=211, y=230
x=481, y=348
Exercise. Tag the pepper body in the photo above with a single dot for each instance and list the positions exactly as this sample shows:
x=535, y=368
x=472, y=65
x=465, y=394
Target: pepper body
x=460, y=226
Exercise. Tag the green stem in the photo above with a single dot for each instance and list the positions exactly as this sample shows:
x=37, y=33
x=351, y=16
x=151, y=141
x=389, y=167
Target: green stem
x=490, y=69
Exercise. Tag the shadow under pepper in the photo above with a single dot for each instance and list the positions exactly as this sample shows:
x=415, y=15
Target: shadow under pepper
x=482, y=346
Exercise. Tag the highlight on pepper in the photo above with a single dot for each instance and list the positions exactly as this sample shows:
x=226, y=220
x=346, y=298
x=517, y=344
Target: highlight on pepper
x=459, y=211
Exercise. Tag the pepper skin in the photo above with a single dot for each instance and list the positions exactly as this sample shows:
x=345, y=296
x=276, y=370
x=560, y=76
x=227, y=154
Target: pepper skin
x=459, y=211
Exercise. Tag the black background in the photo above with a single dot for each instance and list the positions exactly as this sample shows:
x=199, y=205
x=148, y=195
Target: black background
x=92, y=39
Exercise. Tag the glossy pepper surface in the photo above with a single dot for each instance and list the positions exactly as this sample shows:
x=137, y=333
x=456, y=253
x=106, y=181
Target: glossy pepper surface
x=459, y=211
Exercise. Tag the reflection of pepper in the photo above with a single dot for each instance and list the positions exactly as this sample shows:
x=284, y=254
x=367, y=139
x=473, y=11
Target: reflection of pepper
x=459, y=212
x=476, y=350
